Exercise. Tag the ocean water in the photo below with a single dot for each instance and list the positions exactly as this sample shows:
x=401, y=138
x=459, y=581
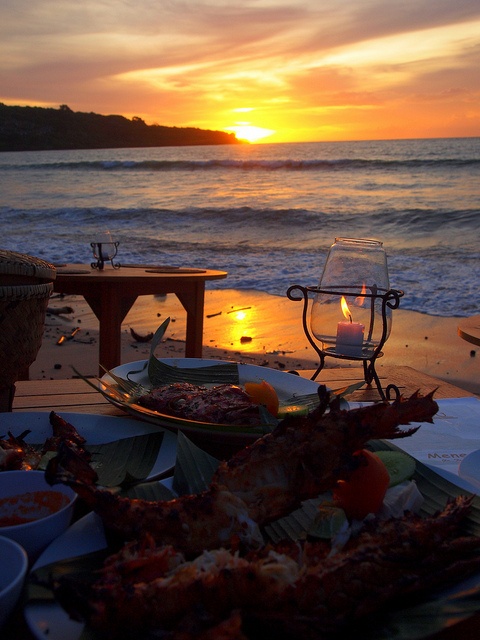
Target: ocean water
x=265, y=213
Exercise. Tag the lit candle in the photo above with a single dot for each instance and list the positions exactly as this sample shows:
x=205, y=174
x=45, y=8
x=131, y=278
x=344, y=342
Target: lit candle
x=349, y=334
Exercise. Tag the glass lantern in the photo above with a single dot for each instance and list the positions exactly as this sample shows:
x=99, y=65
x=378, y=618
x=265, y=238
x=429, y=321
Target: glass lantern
x=348, y=309
x=104, y=250
x=351, y=309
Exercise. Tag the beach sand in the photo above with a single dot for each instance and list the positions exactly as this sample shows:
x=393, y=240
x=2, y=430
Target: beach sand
x=252, y=327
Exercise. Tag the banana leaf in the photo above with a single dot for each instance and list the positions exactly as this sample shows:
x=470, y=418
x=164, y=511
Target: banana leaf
x=125, y=461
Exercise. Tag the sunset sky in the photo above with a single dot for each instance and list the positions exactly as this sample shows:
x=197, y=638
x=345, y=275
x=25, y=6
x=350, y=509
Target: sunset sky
x=287, y=70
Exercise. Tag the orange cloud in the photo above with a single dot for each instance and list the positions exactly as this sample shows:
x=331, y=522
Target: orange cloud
x=306, y=71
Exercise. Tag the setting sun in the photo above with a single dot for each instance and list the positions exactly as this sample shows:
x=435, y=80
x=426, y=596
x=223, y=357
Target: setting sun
x=250, y=133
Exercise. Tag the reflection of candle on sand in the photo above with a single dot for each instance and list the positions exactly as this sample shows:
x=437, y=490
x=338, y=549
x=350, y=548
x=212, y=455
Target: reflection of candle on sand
x=349, y=334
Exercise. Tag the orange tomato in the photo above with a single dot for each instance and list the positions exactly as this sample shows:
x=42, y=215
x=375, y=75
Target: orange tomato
x=263, y=393
x=365, y=489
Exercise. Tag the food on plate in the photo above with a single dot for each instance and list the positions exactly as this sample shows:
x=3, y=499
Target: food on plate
x=16, y=454
x=262, y=393
x=363, y=491
x=63, y=431
x=222, y=404
x=302, y=457
x=307, y=455
x=289, y=591
x=192, y=522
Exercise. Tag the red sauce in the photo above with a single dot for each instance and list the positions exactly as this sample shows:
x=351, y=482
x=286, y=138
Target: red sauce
x=30, y=506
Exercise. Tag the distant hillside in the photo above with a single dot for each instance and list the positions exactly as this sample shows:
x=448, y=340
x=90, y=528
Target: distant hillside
x=36, y=128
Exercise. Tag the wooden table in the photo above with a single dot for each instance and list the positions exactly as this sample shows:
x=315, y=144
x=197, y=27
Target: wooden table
x=469, y=330
x=74, y=395
x=111, y=294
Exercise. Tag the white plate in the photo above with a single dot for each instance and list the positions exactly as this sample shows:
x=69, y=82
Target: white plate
x=50, y=620
x=95, y=428
x=469, y=469
x=287, y=385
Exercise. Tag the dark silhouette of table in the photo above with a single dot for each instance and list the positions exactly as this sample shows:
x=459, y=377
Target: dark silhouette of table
x=111, y=294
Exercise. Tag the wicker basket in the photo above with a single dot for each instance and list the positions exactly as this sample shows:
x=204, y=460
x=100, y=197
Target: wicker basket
x=26, y=284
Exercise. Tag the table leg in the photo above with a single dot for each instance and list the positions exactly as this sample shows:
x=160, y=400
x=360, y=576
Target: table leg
x=110, y=311
x=193, y=302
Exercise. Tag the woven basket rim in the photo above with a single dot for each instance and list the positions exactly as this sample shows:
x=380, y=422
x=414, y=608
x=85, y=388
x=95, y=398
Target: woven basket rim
x=21, y=264
x=25, y=291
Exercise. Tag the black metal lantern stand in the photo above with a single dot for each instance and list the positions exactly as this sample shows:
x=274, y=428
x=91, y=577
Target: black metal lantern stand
x=369, y=351
x=104, y=252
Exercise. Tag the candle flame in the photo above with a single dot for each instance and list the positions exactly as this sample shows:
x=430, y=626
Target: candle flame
x=345, y=309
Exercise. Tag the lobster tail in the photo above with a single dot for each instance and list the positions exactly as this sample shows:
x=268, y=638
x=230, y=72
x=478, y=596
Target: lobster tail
x=68, y=467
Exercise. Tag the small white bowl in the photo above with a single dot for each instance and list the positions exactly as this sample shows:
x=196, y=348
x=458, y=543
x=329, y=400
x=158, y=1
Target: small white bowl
x=14, y=565
x=47, y=519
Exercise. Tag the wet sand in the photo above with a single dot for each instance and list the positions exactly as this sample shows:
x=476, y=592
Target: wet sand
x=247, y=326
